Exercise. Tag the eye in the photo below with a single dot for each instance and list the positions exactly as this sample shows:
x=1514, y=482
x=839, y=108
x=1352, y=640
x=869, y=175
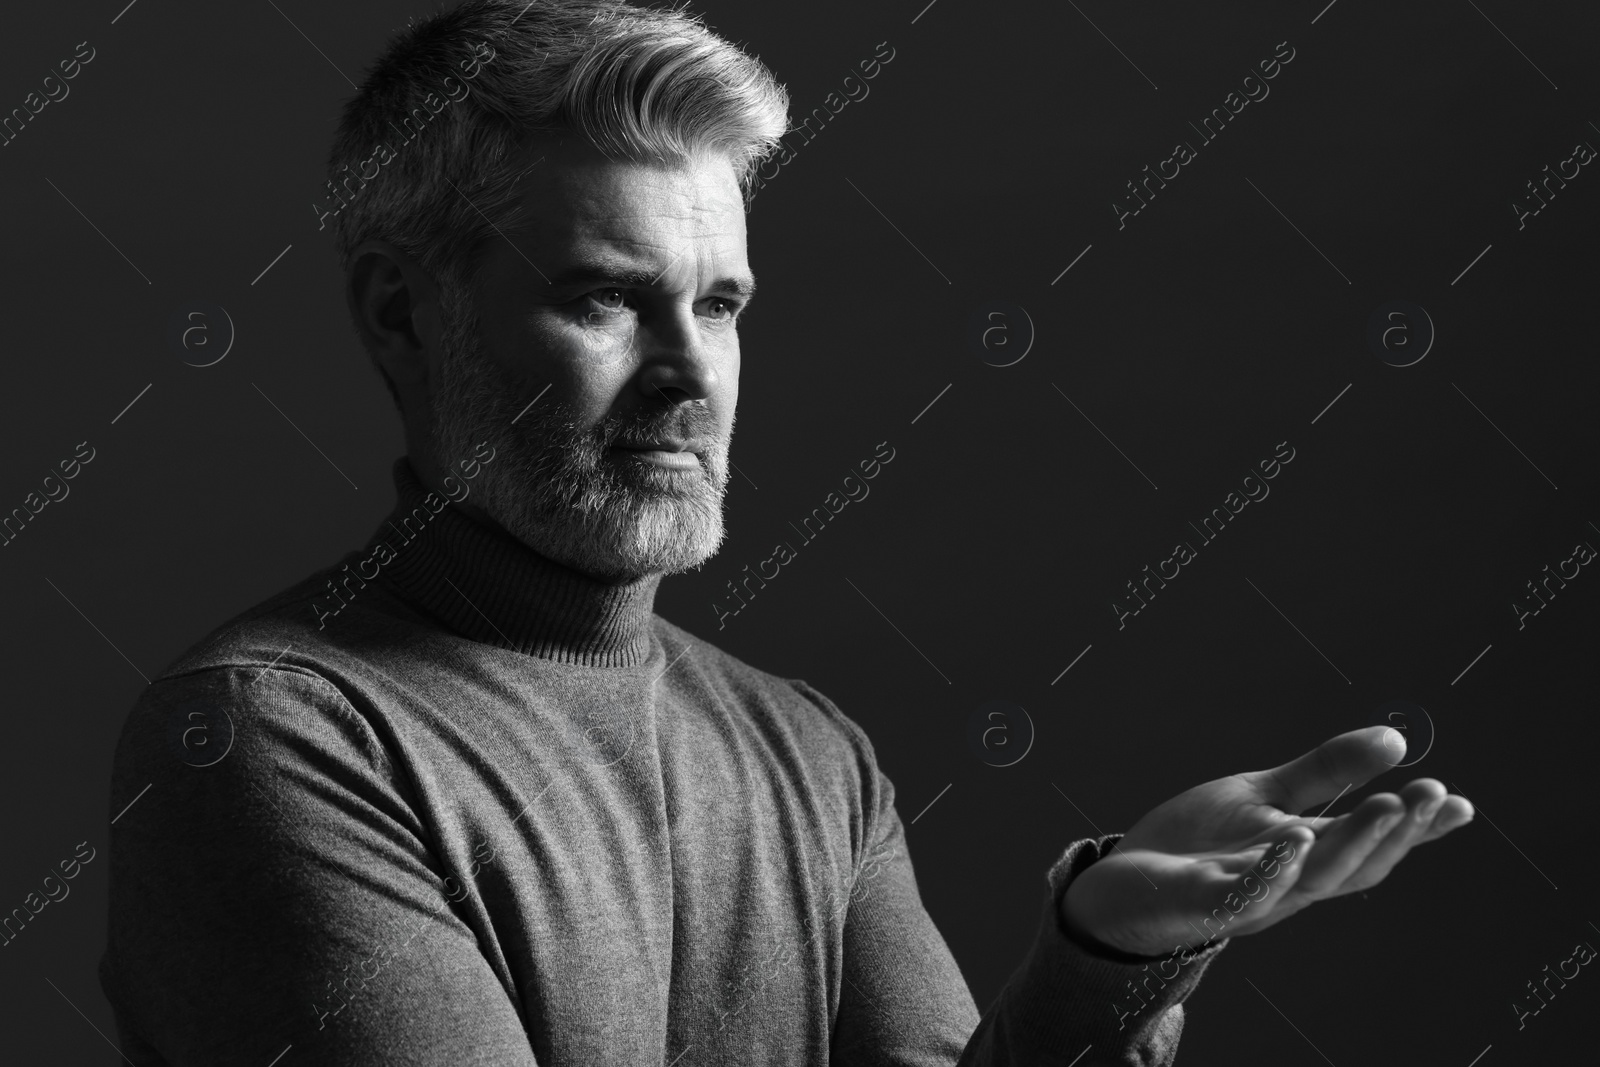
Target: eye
x=721, y=308
x=610, y=300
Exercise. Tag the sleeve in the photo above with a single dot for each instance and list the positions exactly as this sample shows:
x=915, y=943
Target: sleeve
x=904, y=1001
x=272, y=888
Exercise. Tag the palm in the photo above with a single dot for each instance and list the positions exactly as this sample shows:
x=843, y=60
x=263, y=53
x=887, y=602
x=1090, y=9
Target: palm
x=1207, y=853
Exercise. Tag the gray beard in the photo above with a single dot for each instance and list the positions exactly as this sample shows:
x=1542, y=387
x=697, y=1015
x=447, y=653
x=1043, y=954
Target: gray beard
x=551, y=485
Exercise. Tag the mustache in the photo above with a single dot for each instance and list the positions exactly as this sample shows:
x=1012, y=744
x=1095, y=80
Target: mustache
x=688, y=422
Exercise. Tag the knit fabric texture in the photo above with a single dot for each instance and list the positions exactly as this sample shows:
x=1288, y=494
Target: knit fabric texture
x=466, y=806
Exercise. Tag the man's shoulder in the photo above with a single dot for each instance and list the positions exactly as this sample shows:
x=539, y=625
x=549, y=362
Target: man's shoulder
x=273, y=674
x=289, y=626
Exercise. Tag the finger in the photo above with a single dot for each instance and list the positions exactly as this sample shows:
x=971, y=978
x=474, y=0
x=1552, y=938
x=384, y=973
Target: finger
x=1343, y=848
x=1340, y=763
x=1456, y=812
x=1423, y=799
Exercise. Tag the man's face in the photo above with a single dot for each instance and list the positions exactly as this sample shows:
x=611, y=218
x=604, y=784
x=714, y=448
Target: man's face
x=612, y=301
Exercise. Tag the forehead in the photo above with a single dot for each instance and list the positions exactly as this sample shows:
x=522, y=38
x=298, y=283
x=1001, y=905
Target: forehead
x=573, y=197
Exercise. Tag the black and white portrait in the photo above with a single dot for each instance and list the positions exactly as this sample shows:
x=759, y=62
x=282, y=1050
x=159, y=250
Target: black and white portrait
x=592, y=533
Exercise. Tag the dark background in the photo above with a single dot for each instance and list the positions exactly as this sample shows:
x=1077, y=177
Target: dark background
x=1196, y=339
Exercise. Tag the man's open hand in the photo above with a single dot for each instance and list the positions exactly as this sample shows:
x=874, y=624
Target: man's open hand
x=1218, y=850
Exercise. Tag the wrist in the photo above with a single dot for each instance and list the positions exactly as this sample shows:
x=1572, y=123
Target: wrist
x=1093, y=937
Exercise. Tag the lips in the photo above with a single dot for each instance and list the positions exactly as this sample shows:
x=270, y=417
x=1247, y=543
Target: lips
x=660, y=444
x=664, y=453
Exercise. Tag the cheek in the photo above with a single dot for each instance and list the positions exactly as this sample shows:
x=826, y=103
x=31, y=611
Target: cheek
x=730, y=390
x=584, y=368
x=610, y=349
x=550, y=337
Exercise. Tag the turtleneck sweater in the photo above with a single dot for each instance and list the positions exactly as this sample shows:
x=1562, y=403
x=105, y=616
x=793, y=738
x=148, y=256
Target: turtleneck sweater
x=450, y=802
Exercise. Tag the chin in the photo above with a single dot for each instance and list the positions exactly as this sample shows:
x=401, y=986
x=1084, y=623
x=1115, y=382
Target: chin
x=662, y=537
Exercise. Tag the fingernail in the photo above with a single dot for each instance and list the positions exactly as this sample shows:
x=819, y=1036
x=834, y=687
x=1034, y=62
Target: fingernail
x=1387, y=823
x=1431, y=808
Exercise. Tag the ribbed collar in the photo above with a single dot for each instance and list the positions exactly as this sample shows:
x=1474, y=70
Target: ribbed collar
x=489, y=587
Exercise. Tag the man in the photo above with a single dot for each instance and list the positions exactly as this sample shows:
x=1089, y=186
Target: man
x=464, y=799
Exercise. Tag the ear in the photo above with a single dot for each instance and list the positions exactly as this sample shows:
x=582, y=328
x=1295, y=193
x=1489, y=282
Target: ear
x=394, y=305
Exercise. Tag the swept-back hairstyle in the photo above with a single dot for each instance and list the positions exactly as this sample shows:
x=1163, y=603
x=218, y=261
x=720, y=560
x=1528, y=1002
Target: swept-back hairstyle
x=428, y=153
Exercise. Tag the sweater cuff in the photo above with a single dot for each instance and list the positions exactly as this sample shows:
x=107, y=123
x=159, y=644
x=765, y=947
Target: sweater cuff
x=1127, y=1009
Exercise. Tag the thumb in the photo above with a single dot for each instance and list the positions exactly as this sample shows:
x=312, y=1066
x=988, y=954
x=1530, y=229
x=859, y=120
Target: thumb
x=1347, y=761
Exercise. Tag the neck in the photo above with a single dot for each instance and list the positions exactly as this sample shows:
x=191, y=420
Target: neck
x=460, y=567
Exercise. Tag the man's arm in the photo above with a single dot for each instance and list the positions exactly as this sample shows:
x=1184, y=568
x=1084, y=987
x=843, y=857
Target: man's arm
x=903, y=999
x=284, y=894
x=1225, y=858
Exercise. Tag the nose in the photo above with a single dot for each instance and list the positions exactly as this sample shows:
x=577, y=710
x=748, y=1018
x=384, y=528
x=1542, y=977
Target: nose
x=676, y=360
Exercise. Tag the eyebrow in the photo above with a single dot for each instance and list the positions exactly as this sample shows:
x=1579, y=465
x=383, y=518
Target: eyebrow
x=633, y=276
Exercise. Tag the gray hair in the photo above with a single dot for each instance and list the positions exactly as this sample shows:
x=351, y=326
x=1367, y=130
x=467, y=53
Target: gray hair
x=428, y=153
